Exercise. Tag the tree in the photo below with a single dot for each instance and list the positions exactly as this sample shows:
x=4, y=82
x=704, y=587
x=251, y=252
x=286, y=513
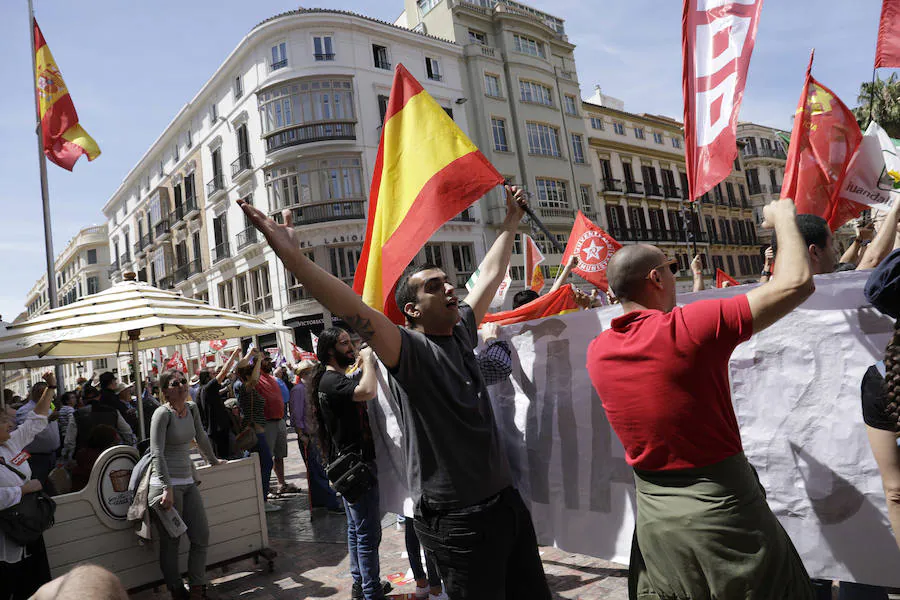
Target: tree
x=885, y=104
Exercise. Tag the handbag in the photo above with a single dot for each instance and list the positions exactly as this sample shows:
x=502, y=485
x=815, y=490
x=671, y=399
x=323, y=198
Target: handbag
x=350, y=476
x=247, y=439
x=25, y=522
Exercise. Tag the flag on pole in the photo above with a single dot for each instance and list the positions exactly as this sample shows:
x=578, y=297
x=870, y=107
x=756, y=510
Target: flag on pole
x=534, y=279
x=593, y=247
x=426, y=172
x=717, y=41
x=824, y=138
x=500, y=295
x=723, y=278
x=866, y=183
x=560, y=302
x=64, y=138
x=887, y=52
x=177, y=362
x=315, y=342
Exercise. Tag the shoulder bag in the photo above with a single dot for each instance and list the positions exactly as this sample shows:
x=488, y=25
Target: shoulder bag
x=25, y=522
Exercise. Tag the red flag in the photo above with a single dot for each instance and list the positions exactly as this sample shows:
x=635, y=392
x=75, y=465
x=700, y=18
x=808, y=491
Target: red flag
x=217, y=344
x=717, y=40
x=534, y=279
x=177, y=362
x=887, y=54
x=593, y=247
x=560, y=302
x=722, y=278
x=823, y=140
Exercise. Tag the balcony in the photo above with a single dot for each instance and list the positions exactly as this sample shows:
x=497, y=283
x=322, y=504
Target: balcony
x=653, y=189
x=309, y=214
x=324, y=55
x=112, y=270
x=758, y=189
x=751, y=152
x=307, y=134
x=383, y=64
x=247, y=237
x=475, y=49
x=124, y=260
x=671, y=191
x=241, y=164
x=296, y=294
x=183, y=212
x=221, y=252
x=216, y=185
x=280, y=64
x=166, y=283
x=612, y=186
x=186, y=271
x=633, y=187
x=776, y=189
x=557, y=212
x=435, y=77
x=161, y=229
x=464, y=217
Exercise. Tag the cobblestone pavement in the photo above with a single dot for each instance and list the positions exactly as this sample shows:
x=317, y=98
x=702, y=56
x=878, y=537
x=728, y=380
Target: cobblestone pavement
x=312, y=558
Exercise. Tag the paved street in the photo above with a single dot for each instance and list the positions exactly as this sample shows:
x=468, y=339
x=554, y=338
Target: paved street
x=312, y=559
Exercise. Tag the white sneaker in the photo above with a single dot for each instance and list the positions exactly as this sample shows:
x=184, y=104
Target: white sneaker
x=270, y=507
x=422, y=592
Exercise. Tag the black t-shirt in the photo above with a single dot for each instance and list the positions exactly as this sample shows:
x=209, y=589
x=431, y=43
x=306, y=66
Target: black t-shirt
x=874, y=402
x=217, y=415
x=347, y=421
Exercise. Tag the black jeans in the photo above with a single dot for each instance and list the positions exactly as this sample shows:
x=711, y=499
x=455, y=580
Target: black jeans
x=19, y=580
x=414, y=549
x=486, y=551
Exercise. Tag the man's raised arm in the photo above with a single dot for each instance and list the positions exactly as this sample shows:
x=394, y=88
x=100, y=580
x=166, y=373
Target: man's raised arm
x=335, y=295
x=493, y=267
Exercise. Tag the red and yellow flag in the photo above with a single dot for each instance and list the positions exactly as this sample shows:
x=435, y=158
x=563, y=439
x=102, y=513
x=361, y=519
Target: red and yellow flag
x=560, y=302
x=534, y=279
x=64, y=139
x=426, y=172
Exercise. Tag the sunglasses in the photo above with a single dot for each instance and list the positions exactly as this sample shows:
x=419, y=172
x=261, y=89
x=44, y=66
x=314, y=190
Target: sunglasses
x=672, y=263
x=176, y=383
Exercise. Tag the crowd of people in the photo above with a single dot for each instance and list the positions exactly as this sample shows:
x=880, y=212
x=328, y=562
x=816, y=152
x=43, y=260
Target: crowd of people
x=704, y=528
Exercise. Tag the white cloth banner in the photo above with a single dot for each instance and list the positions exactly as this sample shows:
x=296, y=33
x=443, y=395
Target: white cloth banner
x=796, y=391
x=866, y=180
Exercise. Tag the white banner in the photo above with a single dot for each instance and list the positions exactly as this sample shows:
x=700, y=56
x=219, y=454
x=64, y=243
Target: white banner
x=866, y=180
x=796, y=390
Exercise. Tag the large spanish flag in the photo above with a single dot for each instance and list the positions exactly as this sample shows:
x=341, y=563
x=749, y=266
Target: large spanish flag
x=426, y=172
x=64, y=139
x=560, y=302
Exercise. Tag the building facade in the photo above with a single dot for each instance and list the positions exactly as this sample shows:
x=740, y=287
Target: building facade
x=764, y=157
x=291, y=120
x=82, y=269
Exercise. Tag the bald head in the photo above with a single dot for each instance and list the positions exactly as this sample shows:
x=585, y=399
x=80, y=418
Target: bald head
x=628, y=268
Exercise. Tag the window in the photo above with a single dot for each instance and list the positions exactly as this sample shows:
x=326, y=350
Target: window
x=226, y=295
x=295, y=290
x=657, y=137
x=382, y=106
x=535, y=92
x=552, y=193
x=175, y=154
x=100, y=364
x=311, y=181
x=433, y=68
x=463, y=262
x=380, y=55
x=477, y=37
x=542, y=139
x=279, y=56
x=425, y=6
x=570, y=106
x=639, y=133
x=597, y=123
x=527, y=45
x=498, y=128
x=676, y=142
x=260, y=289
x=93, y=285
x=189, y=139
x=213, y=114
x=492, y=85
x=238, y=87
x=304, y=102
x=323, y=47
x=433, y=255
x=619, y=128
x=587, y=204
x=242, y=292
x=577, y=148
x=344, y=260
x=92, y=257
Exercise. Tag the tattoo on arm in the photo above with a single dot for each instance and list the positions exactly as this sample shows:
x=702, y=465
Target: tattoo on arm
x=361, y=325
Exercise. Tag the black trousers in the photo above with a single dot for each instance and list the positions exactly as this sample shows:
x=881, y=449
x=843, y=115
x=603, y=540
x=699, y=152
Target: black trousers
x=20, y=580
x=486, y=551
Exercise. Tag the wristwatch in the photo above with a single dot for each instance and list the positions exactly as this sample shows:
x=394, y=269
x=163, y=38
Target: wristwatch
x=766, y=273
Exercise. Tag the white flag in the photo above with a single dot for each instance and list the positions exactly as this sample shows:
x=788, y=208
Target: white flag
x=866, y=180
x=500, y=296
x=315, y=342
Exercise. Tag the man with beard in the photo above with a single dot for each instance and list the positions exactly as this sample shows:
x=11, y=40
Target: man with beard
x=276, y=429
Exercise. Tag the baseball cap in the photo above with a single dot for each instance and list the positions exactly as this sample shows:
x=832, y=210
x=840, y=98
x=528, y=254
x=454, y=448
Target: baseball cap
x=883, y=286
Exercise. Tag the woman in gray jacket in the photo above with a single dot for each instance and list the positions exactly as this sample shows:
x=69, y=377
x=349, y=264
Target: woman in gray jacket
x=173, y=427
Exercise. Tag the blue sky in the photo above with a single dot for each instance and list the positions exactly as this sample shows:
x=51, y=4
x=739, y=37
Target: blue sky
x=130, y=66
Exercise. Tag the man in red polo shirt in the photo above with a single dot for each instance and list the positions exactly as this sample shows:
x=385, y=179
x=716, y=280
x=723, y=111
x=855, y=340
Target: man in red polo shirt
x=276, y=429
x=704, y=529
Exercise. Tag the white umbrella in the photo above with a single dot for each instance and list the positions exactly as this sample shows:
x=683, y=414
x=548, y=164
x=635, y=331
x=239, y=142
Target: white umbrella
x=131, y=315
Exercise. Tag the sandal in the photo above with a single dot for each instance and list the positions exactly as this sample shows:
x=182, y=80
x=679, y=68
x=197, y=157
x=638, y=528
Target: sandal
x=288, y=488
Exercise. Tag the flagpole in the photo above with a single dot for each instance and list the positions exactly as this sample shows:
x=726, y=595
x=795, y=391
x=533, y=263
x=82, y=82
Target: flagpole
x=45, y=194
x=872, y=98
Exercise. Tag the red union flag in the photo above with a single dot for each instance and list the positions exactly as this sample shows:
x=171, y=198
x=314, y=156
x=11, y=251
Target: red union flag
x=593, y=247
x=534, y=279
x=717, y=40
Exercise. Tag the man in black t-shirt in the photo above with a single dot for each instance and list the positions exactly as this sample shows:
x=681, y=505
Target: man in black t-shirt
x=346, y=429
x=469, y=517
x=217, y=416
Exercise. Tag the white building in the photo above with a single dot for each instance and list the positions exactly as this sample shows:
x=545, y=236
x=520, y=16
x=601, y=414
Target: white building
x=290, y=120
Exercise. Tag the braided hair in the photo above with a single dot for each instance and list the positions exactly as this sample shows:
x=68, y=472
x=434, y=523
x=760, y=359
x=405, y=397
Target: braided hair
x=891, y=386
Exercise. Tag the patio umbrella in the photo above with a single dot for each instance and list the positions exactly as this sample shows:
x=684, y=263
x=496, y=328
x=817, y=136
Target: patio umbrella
x=129, y=316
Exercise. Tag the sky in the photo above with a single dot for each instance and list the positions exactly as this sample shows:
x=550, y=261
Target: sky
x=131, y=66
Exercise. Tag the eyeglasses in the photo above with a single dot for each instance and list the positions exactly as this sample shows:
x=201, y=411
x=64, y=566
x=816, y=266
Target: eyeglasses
x=672, y=263
x=176, y=383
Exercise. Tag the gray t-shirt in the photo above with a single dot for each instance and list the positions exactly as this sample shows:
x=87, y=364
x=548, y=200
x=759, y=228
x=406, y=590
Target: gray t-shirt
x=170, y=443
x=453, y=453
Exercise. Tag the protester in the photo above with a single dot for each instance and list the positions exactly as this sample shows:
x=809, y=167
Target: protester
x=305, y=425
x=766, y=274
x=865, y=231
x=344, y=429
x=66, y=409
x=85, y=419
x=23, y=569
x=194, y=389
x=109, y=394
x=203, y=379
x=276, y=429
x=495, y=358
x=524, y=297
x=253, y=415
x=99, y=439
x=885, y=240
x=703, y=527
x=217, y=418
x=46, y=443
x=174, y=426
x=457, y=472
x=697, y=271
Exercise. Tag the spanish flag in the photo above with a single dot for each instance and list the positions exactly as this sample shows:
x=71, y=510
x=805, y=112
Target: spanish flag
x=64, y=139
x=426, y=172
x=560, y=302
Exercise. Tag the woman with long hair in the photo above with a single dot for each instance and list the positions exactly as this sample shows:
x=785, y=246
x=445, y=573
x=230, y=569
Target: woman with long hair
x=174, y=425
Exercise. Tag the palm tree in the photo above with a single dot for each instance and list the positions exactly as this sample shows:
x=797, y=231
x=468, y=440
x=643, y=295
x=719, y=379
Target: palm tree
x=880, y=103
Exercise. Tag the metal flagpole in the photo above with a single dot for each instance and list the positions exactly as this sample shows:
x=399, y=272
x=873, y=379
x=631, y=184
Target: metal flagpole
x=872, y=98
x=45, y=193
